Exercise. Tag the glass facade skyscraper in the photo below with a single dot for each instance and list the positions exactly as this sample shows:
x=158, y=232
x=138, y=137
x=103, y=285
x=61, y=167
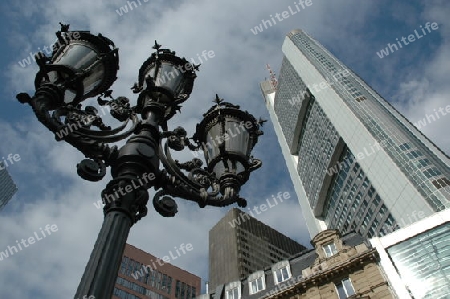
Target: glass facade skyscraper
x=355, y=161
x=7, y=186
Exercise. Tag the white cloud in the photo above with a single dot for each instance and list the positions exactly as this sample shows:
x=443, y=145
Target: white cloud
x=425, y=89
x=50, y=192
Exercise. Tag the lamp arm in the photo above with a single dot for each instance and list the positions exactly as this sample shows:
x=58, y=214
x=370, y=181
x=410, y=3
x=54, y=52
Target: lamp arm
x=171, y=187
x=198, y=185
x=76, y=131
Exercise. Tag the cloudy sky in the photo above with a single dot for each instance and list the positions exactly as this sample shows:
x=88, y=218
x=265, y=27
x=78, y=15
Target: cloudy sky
x=414, y=79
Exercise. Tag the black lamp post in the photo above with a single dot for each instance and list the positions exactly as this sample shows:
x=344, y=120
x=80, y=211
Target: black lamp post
x=85, y=67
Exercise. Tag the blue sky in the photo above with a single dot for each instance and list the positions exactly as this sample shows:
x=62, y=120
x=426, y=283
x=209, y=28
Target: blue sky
x=414, y=79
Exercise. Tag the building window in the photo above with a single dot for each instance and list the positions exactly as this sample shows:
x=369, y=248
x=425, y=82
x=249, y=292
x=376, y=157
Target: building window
x=233, y=293
x=169, y=284
x=414, y=154
x=404, y=147
x=164, y=282
x=256, y=285
x=183, y=287
x=345, y=288
x=158, y=280
x=432, y=172
x=330, y=249
x=281, y=274
x=188, y=291
x=135, y=287
x=124, y=295
x=441, y=183
x=177, y=289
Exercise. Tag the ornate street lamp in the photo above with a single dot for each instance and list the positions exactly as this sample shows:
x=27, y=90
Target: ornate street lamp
x=228, y=136
x=83, y=65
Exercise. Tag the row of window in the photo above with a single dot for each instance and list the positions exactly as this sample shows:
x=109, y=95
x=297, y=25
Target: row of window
x=331, y=68
x=425, y=167
x=392, y=132
x=256, y=241
x=124, y=295
x=352, y=201
x=317, y=140
x=289, y=85
x=344, y=288
x=184, y=291
x=153, y=278
x=139, y=289
x=145, y=274
x=376, y=115
x=260, y=253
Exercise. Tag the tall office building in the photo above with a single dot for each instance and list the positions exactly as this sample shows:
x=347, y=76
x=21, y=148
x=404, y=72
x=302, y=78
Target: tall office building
x=355, y=161
x=7, y=186
x=240, y=245
x=142, y=275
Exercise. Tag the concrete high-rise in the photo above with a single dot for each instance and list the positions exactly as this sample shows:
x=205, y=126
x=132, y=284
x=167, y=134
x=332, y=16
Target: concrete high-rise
x=239, y=245
x=355, y=161
x=7, y=186
x=142, y=275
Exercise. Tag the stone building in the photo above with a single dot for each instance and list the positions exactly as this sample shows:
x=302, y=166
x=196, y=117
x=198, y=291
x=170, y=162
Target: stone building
x=338, y=267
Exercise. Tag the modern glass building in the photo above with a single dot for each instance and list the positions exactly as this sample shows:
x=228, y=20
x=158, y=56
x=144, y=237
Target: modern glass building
x=7, y=186
x=355, y=161
x=416, y=259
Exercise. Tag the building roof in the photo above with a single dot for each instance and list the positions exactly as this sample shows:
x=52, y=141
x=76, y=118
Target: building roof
x=307, y=259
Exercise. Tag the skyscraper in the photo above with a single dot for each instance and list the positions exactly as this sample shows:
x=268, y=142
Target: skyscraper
x=355, y=161
x=142, y=275
x=7, y=186
x=240, y=245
